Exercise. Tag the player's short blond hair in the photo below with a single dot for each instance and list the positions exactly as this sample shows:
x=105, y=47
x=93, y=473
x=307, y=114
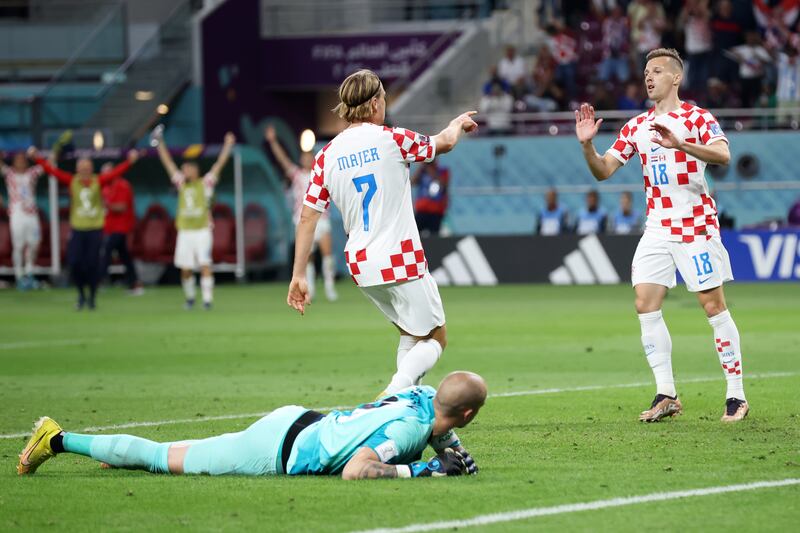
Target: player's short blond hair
x=666, y=52
x=355, y=94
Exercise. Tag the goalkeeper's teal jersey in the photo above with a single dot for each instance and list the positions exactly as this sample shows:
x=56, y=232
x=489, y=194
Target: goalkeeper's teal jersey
x=397, y=428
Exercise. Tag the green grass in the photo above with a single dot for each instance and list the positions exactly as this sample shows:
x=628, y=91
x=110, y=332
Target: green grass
x=144, y=359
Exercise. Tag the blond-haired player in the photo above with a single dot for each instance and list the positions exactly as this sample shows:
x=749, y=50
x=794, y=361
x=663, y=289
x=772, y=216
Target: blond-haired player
x=674, y=141
x=365, y=171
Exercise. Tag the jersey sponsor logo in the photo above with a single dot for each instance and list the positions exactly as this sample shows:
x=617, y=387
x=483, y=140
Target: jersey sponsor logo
x=715, y=129
x=700, y=282
x=587, y=265
x=466, y=265
x=358, y=159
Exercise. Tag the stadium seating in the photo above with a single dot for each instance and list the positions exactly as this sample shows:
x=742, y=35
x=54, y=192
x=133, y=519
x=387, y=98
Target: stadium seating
x=224, y=248
x=255, y=233
x=154, y=236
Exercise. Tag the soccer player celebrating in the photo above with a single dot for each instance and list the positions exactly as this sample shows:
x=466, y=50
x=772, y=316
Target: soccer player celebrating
x=383, y=439
x=675, y=141
x=364, y=170
x=23, y=213
x=193, y=219
x=86, y=218
x=298, y=178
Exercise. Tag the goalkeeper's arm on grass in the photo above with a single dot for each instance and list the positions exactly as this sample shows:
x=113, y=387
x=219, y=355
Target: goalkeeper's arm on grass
x=366, y=464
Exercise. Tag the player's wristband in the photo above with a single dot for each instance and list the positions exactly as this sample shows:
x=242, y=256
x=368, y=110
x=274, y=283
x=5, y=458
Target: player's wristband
x=403, y=471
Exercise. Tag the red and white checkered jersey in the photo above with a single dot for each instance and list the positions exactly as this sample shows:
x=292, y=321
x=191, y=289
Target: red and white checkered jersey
x=364, y=170
x=679, y=207
x=299, y=179
x=21, y=187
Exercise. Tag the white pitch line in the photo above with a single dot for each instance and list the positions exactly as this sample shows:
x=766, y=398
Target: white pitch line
x=533, y=392
x=523, y=514
x=38, y=344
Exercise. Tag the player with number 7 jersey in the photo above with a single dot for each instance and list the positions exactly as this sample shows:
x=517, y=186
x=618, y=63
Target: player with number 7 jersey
x=364, y=170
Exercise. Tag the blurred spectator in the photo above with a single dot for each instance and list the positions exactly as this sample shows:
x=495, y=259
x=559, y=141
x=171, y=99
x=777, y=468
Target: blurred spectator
x=631, y=99
x=626, y=219
x=753, y=60
x=543, y=94
x=591, y=219
x=647, y=22
x=695, y=20
x=726, y=33
x=511, y=67
x=120, y=219
x=794, y=214
x=564, y=51
x=615, y=47
x=603, y=99
x=788, y=90
x=553, y=220
x=431, y=181
x=496, y=107
x=494, y=77
x=717, y=95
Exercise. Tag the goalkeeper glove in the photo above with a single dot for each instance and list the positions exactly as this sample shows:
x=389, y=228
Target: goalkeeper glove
x=447, y=463
x=450, y=440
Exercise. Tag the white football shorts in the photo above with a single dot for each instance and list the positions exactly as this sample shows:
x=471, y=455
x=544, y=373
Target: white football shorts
x=703, y=264
x=25, y=230
x=414, y=306
x=323, y=228
x=193, y=248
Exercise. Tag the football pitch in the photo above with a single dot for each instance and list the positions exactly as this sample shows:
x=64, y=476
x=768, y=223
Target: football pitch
x=558, y=441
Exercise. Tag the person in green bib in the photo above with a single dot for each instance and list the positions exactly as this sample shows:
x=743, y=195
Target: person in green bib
x=86, y=217
x=193, y=218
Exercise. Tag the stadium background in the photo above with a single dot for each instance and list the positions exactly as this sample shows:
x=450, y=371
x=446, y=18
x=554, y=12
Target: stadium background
x=110, y=71
x=203, y=68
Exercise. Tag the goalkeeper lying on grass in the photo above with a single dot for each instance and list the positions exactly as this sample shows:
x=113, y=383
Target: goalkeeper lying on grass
x=383, y=439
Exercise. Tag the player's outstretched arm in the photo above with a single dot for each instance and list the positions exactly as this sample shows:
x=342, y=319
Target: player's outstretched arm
x=601, y=167
x=50, y=167
x=447, y=139
x=716, y=153
x=163, y=152
x=224, y=154
x=277, y=150
x=365, y=464
x=299, y=296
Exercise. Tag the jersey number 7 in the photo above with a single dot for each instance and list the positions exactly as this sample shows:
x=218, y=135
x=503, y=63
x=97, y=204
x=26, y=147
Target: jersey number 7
x=371, y=187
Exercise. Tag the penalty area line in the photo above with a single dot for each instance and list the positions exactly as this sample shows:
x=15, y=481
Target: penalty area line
x=533, y=392
x=524, y=514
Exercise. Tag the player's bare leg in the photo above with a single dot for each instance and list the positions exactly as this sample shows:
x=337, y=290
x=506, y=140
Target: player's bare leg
x=189, y=289
x=31, y=253
x=207, y=286
x=726, y=342
x=658, y=350
x=328, y=267
x=415, y=357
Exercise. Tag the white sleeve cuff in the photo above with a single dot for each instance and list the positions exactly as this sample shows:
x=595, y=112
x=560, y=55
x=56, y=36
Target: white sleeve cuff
x=403, y=471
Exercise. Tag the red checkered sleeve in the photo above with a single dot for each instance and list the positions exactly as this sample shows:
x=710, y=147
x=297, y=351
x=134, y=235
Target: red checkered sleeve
x=623, y=148
x=708, y=129
x=413, y=147
x=317, y=195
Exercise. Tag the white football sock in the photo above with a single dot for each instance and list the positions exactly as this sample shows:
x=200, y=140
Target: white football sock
x=311, y=277
x=329, y=275
x=29, y=259
x=658, y=350
x=207, y=288
x=16, y=258
x=406, y=343
x=188, y=287
x=415, y=365
x=726, y=340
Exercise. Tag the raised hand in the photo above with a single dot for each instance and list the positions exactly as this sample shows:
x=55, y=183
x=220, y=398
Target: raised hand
x=270, y=135
x=664, y=136
x=33, y=152
x=298, y=297
x=133, y=156
x=585, y=125
x=466, y=122
x=230, y=139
